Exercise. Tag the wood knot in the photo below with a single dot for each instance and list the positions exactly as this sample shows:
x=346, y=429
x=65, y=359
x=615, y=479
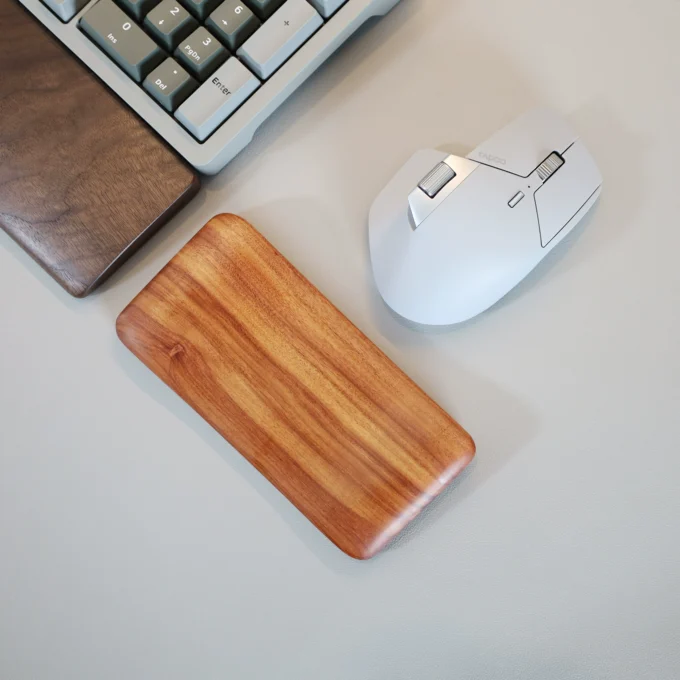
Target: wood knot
x=177, y=349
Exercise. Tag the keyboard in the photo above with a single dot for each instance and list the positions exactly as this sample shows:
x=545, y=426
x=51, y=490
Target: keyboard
x=205, y=74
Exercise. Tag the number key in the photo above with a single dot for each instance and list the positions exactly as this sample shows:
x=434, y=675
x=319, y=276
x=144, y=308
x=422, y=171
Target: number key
x=169, y=23
x=201, y=54
x=125, y=42
x=233, y=23
x=201, y=8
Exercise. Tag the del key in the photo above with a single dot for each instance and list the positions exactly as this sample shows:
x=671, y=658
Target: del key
x=124, y=41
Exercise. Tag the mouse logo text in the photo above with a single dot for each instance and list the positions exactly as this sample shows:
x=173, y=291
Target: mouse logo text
x=492, y=159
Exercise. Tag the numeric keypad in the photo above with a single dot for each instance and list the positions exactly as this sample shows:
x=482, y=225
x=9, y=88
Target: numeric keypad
x=206, y=71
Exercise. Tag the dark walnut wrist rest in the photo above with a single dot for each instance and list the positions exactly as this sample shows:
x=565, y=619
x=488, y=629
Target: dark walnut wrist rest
x=292, y=384
x=83, y=181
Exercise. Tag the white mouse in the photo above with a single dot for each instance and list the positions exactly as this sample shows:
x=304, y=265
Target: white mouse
x=450, y=236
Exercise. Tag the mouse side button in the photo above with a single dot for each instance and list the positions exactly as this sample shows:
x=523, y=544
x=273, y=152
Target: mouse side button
x=390, y=208
x=437, y=179
x=437, y=186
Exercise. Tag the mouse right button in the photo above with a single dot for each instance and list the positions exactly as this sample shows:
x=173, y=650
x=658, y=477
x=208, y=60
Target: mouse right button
x=568, y=193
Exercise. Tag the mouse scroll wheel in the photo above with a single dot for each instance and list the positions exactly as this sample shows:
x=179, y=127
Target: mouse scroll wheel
x=550, y=166
x=437, y=179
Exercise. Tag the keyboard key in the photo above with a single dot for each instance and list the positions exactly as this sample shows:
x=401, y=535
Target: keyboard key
x=264, y=8
x=217, y=99
x=65, y=9
x=169, y=84
x=125, y=42
x=169, y=23
x=280, y=36
x=233, y=23
x=137, y=8
x=201, y=53
x=327, y=7
x=201, y=8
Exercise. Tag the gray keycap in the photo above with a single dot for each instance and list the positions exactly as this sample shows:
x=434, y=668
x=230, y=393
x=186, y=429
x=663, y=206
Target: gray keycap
x=169, y=84
x=233, y=23
x=201, y=53
x=65, y=9
x=327, y=7
x=125, y=42
x=201, y=8
x=169, y=23
x=264, y=8
x=280, y=36
x=217, y=99
x=137, y=8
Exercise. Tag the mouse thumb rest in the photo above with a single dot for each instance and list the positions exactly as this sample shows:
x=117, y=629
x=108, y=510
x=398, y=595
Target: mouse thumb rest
x=451, y=172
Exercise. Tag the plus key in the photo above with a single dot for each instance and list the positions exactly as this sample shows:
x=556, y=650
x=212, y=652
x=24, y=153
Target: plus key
x=280, y=37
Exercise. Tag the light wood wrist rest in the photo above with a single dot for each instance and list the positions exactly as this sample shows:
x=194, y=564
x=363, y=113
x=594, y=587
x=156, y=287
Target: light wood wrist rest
x=291, y=383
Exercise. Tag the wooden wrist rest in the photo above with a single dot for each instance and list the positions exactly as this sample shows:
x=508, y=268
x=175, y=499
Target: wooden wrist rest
x=292, y=384
x=84, y=182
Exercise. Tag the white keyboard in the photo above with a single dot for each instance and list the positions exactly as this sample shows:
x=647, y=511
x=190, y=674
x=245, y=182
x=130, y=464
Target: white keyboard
x=205, y=74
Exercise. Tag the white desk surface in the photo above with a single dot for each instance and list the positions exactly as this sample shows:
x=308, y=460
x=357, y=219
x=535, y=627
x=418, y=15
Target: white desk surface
x=136, y=544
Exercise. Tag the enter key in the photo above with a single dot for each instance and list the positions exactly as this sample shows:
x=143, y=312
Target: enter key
x=217, y=99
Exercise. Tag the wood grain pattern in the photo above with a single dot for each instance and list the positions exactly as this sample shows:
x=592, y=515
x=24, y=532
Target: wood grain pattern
x=83, y=182
x=310, y=401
